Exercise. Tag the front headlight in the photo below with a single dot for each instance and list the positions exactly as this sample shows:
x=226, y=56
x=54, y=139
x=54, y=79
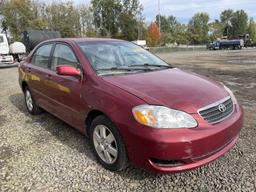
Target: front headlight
x=162, y=117
x=231, y=94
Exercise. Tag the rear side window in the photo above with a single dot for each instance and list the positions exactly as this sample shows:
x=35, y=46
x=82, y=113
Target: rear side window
x=63, y=55
x=42, y=56
x=1, y=39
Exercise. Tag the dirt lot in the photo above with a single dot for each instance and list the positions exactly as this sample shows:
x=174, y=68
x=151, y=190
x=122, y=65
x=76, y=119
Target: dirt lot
x=44, y=154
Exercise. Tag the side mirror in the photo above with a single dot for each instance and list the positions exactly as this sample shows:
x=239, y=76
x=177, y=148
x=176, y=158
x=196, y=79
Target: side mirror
x=67, y=70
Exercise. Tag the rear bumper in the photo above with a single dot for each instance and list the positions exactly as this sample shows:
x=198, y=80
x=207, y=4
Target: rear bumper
x=186, y=149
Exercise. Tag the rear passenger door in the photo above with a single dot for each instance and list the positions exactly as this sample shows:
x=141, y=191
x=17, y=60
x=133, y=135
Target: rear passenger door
x=37, y=72
x=66, y=91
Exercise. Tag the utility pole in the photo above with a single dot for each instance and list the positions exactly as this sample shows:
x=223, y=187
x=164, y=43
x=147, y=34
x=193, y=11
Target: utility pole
x=159, y=16
x=100, y=28
x=229, y=24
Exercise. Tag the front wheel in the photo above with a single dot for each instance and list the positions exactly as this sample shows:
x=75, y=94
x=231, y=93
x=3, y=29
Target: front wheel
x=108, y=145
x=30, y=103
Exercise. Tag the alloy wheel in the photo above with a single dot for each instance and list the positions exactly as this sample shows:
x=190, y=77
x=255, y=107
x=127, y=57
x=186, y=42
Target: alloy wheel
x=29, y=101
x=105, y=144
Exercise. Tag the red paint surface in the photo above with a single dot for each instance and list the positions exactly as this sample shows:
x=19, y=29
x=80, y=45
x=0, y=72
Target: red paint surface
x=67, y=71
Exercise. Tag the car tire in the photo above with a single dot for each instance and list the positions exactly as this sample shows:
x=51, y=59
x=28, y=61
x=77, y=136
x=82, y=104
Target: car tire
x=30, y=103
x=104, y=150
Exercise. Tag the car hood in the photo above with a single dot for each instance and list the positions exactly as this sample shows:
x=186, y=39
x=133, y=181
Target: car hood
x=173, y=88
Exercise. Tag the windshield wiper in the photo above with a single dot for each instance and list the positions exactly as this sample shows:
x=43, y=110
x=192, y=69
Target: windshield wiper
x=119, y=69
x=144, y=67
x=150, y=65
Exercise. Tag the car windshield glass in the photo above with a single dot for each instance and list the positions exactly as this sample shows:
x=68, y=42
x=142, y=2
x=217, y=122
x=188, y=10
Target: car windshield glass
x=120, y=57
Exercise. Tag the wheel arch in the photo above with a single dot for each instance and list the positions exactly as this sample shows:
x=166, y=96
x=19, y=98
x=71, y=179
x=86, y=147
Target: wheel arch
x=90, y=117
x=24, y=84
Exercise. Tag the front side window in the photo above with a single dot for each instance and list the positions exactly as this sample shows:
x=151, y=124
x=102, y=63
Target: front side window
x=63, y=55
x=120, y=57
x=42, y=56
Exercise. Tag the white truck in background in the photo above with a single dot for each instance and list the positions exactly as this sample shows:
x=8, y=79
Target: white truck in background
x=142, y=43
x=9, y=54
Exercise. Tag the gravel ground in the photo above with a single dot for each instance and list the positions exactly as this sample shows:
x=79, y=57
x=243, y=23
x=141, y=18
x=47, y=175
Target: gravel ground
x=41, y=153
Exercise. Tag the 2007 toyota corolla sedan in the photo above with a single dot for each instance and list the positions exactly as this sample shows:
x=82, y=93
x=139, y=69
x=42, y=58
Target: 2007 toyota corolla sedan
x=133, y=106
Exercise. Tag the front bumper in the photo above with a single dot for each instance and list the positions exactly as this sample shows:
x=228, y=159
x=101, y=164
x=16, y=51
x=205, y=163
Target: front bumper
x=185, y=149
x=6, y=59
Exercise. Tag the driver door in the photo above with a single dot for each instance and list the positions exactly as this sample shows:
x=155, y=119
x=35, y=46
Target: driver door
x=66, y=91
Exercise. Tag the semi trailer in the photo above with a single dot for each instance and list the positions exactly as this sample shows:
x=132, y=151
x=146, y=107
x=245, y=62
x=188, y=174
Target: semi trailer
x=9, y=54
x=14, y=53
x=31, y=37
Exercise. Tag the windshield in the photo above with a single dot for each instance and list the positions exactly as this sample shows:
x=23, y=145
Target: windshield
x=120, y=57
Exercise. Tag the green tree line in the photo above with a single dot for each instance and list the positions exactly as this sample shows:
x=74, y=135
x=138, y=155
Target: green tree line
x=200, y=30
x=101, y=18
x=120, y=19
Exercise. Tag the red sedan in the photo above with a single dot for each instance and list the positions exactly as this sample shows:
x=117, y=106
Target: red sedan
x=133, y=106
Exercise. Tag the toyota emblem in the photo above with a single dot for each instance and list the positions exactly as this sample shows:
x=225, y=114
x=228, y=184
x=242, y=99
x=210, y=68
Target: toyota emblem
x=222, y=108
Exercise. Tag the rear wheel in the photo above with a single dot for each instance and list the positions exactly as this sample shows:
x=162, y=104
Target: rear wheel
x=108, y=145
x=30, y=103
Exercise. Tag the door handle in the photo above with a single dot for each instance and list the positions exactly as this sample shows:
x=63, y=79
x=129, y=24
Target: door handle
x=49, y=76
x=29, y=69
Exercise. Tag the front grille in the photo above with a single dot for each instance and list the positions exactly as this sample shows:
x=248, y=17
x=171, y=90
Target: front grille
x=217, y=111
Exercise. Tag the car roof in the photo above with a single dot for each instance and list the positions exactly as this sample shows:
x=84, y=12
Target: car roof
x=84, y=40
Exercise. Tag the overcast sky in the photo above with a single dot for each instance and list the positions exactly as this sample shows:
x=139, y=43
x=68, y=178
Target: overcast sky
x=184, y=9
